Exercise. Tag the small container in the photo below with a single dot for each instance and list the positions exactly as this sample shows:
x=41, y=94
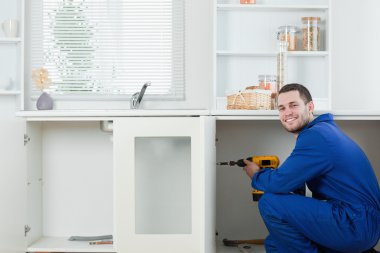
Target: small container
x=247, y=1
x=269, y=82
x=288, y=33
x=311, y=34
x=282, y=52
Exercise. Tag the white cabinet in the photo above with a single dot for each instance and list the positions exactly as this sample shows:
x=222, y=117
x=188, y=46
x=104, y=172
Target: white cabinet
x=164, y=172
x=246, y=47
x=11, y=47
x=152, y=180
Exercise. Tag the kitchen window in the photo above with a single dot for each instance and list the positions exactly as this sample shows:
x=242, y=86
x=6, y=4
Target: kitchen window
x=109, y=48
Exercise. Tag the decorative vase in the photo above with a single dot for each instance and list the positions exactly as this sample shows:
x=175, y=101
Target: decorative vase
x=45, y=102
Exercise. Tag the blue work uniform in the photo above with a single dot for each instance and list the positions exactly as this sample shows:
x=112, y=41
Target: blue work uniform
x=344, y=213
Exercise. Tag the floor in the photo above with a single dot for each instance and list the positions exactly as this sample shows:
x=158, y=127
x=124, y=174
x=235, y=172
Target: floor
x=243, y=248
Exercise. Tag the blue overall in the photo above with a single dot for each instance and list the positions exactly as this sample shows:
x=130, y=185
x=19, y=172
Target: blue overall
x=344, y=213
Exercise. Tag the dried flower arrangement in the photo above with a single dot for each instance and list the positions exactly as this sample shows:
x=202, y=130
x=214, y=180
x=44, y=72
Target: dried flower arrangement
x=41, y=78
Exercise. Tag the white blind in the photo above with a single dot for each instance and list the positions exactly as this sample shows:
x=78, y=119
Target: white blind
x=110, y=47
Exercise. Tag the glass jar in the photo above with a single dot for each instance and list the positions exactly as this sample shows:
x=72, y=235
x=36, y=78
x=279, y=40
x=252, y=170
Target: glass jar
x=281, y=63
x=269, y=82
x=311, y=33
x=247, y=1
x=288, y=33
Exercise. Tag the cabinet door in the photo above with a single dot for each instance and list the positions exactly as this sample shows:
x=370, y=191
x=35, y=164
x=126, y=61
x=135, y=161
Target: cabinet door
x=160, y=181
x=13, y=185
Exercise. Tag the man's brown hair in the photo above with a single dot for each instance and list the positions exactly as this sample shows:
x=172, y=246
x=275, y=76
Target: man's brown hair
x=302, y=90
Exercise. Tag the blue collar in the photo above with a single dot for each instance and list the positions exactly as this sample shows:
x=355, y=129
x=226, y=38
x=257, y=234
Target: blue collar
x=327, y=117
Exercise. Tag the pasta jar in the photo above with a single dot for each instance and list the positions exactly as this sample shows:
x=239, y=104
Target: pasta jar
x=288, y=33
x=311, y=34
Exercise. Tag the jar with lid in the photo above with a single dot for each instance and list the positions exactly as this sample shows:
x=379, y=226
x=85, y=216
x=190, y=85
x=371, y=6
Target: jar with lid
x=311, y=34
x=288, y=33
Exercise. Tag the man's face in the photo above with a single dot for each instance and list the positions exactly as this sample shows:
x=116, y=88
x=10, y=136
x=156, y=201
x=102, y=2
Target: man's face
x=294, y=114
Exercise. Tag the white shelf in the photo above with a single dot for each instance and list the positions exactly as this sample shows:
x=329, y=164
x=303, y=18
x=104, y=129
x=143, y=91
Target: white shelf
x=9, y=40
x=62, y=244
x=54, y=114
x=272, y=54
x=9, y=92
x=258, y=7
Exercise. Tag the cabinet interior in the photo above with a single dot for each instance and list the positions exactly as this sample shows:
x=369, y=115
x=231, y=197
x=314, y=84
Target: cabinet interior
x=70, y=180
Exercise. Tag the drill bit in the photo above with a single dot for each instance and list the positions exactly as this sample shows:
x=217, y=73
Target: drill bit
x=239, y=163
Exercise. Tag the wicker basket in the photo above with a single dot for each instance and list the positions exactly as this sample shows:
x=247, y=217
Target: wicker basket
x=249, y=100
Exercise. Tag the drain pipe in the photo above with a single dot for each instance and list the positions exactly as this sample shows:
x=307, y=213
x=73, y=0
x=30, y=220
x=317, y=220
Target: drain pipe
x=106, y=126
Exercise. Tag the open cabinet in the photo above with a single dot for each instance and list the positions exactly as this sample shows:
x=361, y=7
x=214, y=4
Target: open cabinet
x=237, y=216
x=69, y=185
x=12, y=179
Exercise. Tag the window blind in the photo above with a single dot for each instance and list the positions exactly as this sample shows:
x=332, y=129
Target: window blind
x=110, y=47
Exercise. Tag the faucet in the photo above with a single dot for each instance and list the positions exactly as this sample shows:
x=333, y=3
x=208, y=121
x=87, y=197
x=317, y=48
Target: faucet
x=138, y=96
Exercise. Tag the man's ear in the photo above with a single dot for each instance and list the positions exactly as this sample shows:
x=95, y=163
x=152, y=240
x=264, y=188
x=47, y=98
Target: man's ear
x=310, y=106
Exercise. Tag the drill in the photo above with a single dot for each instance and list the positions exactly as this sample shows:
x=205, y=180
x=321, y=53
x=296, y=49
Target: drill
x=262, y=162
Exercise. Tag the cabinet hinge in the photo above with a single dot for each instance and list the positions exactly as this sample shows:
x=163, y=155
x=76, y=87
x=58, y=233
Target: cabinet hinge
x=26, y=139
x=26, y=230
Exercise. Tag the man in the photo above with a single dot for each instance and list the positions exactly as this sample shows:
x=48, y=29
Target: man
x=344, y=213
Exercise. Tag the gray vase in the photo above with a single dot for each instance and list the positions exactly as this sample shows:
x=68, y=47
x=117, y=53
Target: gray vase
x=44, y=102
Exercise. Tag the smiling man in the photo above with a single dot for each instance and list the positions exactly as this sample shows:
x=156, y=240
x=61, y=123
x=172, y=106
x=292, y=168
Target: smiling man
x=344, y=213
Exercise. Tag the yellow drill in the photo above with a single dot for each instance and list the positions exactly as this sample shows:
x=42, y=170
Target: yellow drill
x=262, y=161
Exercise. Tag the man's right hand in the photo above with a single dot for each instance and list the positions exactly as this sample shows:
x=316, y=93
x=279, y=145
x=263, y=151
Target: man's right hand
x=251, y=168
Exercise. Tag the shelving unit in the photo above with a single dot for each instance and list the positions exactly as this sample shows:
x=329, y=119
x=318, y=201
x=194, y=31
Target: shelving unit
x=246, y=46
x=12, y=50
x=9, y=92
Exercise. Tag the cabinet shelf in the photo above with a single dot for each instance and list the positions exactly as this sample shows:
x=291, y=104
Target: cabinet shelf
x=61, y=244
x=9, y=92
x=271, y=54
x=9, y=40
x=258, y=7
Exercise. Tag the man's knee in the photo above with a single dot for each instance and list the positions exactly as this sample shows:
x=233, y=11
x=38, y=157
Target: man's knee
x=269, y=203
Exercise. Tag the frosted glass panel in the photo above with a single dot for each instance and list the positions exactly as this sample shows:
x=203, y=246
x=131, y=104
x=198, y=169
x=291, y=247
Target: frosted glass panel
x=163, y=185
